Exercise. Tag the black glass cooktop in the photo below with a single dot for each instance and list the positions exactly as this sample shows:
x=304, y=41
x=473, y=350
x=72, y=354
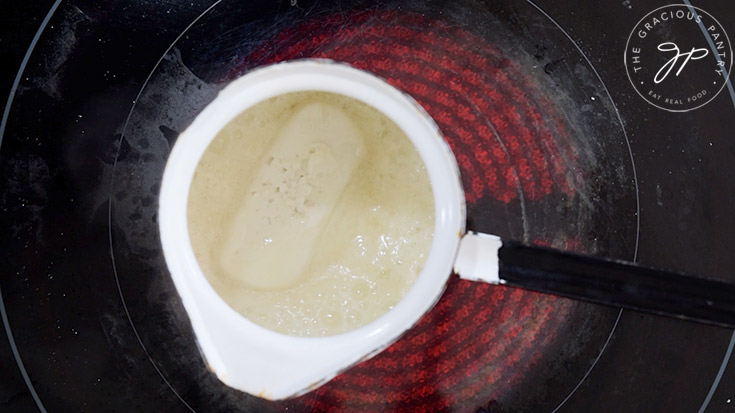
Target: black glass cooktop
x=600, y=128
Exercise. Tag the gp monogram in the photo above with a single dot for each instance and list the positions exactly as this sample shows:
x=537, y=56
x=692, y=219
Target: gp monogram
x=678, y=57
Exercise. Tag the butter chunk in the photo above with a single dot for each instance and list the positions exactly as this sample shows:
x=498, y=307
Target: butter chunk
x=291, y=197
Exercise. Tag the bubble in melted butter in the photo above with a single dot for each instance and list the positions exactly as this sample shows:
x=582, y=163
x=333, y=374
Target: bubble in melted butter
x=311, y=214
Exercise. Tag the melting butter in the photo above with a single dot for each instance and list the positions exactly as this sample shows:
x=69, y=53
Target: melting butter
x=294, y=191
x=311, y=214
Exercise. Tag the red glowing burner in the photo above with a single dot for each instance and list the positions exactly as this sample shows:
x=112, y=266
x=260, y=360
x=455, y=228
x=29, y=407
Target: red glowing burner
x=510, y=143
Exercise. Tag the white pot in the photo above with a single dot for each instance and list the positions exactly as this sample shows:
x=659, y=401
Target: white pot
x=252, y=358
